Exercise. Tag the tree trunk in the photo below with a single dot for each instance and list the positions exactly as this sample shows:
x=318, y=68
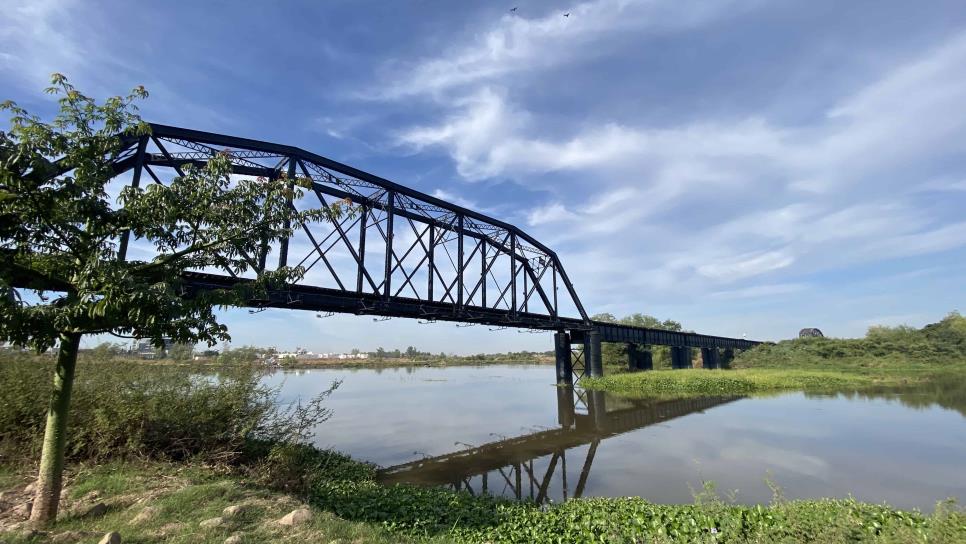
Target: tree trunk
x=49, y=481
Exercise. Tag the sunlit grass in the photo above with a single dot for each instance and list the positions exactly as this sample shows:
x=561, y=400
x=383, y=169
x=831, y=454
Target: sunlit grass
x=700, y=382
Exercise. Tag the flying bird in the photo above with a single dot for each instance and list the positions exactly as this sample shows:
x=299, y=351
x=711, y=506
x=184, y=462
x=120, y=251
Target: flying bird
x=567, y=14
x=513, y=9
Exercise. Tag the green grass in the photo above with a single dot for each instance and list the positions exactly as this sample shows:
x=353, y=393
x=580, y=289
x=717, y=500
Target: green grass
x=886, y=360
x=185, y=495
x=349, y=507
x=700, y=382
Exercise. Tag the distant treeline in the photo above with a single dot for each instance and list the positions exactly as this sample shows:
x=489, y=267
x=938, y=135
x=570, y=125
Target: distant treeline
x=615, y=354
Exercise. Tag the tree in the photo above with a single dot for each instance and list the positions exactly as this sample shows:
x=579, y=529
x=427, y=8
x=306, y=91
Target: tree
x=181, y=352
x=105, y=351
x=616, y=353
x=60, y=233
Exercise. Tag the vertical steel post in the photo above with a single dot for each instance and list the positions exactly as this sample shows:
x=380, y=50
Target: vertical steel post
x=390, y=209
x=565, y=371
x=513, y=273
x=459, y=260
x=287, y=224
x=556, y=311
x=135, y=181
x=526, y=292
x=483, y=274
x=596, y=362
x=431, y=266
x=362, y=247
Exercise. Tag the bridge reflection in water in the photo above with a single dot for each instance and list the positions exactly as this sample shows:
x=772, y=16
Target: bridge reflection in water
x=507, y=467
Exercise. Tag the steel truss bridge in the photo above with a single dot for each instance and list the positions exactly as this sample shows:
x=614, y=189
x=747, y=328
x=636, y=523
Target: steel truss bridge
x=506, y=467
x=404, y=254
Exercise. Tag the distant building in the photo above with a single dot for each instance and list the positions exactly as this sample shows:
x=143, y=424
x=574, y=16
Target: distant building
x=810, y=333
x=146, y=350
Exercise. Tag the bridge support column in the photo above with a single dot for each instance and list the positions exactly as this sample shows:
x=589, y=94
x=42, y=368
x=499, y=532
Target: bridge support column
x=680, y=357
x=565, y=370
x=709, y=358
x=596, y=362
x=726, y=357
x=645, y=359
x=633, y=356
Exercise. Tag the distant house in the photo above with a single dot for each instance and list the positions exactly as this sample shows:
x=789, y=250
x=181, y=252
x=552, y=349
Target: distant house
x=810, y=333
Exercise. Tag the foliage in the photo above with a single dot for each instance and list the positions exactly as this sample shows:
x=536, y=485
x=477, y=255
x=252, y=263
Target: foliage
x=123, y=410
x=614, y=355
x=61, y=233
x=181, y=352
x=701, y=382
x=369, y=512
x=462, y=517
x=887, y=359
x=181, y=497
x=106, y=350
x=938, y=345
x=242, y=355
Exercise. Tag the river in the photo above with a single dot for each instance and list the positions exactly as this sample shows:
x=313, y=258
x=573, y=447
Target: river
x=507, y=430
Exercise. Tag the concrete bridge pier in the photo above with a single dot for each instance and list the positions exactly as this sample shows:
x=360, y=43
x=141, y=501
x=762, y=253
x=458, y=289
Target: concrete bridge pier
x=565, y=369
x=709, y=358
x=680, y=357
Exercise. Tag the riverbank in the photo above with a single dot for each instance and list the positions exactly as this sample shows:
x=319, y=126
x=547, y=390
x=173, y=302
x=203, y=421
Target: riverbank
x=154, y=501
x=886, y=359
x=167, y=453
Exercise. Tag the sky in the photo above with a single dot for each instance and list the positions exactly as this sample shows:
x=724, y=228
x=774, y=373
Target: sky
x=741, y=166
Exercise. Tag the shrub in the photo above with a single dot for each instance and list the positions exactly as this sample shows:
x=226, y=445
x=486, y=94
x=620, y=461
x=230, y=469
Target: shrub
x=123, y=409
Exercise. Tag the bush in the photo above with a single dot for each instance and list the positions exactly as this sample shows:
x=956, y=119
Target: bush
x=123, y=409
x=941, y=343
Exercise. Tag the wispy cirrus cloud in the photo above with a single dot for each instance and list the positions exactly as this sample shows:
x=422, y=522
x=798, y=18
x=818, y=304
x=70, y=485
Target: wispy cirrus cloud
x=519, y=43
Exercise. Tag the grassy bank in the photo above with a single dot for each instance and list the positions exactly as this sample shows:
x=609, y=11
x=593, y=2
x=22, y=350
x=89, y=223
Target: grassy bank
x=166, y=452
x=699, y=382
x=159, y=501
x=887, y=359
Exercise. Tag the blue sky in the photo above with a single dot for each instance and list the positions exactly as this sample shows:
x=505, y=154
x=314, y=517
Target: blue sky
x=740, y=166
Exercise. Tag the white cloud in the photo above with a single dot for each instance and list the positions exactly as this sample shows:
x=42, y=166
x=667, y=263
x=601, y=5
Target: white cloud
x=517, y=44
x=36, y=39
x=455, y=199
x=750, y=168
x=760, y=291
x=550, y=213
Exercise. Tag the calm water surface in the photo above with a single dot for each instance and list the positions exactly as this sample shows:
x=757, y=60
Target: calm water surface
x=509, y=430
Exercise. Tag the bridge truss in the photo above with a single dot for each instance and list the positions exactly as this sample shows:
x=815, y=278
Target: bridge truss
x=403, y=253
